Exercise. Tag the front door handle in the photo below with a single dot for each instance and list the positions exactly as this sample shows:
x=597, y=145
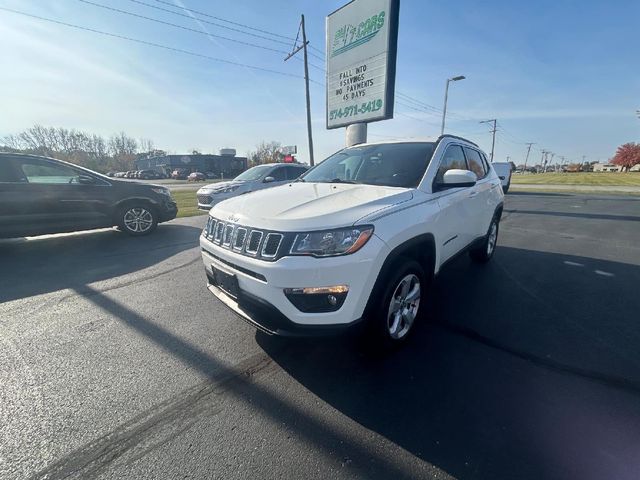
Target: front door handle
x=473, y=194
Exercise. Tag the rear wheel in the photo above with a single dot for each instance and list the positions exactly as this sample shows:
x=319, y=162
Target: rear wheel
x=487, y=247
x=137, y=219
x=395, y=313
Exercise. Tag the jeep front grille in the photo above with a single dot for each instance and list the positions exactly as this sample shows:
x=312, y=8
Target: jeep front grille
x=252, y=242
x=271, y=245
x=255, y=237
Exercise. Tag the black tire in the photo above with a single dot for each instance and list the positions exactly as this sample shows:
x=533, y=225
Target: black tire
x=137, y=219
x=484, y=252
x=381, y=319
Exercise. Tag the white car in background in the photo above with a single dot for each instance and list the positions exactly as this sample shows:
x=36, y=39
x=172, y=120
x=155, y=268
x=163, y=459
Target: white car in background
x=256, y=178
x=503, y=169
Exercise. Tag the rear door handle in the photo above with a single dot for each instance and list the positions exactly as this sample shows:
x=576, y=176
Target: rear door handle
x=473, y=194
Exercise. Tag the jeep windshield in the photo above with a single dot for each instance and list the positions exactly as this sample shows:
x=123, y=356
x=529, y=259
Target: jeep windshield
x=390, y=164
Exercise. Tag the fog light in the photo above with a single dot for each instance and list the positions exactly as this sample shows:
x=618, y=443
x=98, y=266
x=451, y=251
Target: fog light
x=317, y=299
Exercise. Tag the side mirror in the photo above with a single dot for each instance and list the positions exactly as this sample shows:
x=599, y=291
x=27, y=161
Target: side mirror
x=86, y=180
x=458, y=178
x=269, y=179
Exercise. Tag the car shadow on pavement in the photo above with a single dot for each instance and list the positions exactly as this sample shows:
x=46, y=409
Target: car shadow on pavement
x=588, y=216
x=93, y=458
x=538, y=194
x=55, y=262
x=520, y=370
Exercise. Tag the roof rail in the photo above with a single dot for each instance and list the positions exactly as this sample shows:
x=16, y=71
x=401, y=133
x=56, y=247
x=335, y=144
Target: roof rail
x=456, y=137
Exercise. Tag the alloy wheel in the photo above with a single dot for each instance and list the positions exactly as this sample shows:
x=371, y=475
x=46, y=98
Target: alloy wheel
x=403, y=307
x=138, y=219
x=493, y=238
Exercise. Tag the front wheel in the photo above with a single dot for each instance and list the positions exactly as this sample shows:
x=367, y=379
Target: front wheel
x=137, y=220
x=397, y=310
x=486, y=249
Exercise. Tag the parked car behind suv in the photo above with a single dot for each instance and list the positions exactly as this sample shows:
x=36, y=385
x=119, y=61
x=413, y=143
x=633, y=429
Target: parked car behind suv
x=196, y=177
x=41, y=195
x=180, y=174
x=150, y=175
x=356, y=241
x=503, y=170
x=256, y=178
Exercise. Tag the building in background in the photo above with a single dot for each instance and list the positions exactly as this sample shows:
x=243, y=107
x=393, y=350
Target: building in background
x=606, y=167
x=224, y=165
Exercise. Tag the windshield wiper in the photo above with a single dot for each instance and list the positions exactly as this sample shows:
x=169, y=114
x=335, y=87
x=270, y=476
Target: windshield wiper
x=337, y=180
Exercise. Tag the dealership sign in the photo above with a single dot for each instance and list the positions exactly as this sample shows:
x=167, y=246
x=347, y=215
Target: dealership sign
x=362, y=40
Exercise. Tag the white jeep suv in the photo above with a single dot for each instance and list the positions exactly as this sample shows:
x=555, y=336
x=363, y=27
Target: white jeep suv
x=356, y=240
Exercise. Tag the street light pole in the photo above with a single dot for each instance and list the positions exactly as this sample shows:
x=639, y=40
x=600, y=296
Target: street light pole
x=446, y=96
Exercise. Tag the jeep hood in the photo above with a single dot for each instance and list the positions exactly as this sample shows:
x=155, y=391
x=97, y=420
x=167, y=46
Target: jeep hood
x=309, y=206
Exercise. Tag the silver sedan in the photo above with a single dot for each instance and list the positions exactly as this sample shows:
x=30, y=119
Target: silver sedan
x=256, y=178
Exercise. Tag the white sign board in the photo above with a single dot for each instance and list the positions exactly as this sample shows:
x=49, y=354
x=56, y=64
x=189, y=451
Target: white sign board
x=362, y=40
x=289, y=150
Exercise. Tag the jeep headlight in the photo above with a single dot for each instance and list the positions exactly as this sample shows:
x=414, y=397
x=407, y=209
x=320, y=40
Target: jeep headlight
x=332, y=242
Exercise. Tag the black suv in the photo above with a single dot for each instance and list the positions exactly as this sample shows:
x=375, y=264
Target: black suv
x=41, y=195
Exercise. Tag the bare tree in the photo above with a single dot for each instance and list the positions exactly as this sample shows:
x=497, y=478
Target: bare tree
x=265, y=152
x=122, y=144
x=82, y=148
x=146, y=145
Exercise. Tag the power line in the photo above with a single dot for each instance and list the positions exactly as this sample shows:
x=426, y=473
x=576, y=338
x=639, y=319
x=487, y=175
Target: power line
x=153, y=44
x=204, y=14
x=197, y=12
x=209, y=22
x=400, y=101
x=415, y=101
x=125, y=12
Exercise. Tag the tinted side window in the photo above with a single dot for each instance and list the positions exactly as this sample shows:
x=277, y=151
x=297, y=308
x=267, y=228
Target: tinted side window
x=475, y=162
x=47, y=172
x=294, y=172
x=279, y=174
x=453, y=159
x=7, y=172
x=485, y=162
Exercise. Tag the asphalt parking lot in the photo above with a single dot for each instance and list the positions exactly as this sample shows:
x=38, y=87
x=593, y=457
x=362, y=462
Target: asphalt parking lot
x=115, y=362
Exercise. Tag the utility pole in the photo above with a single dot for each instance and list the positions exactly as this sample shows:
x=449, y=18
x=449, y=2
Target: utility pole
x=306, y=83
x=493, y=142
x=527, y=157
x=543, y=159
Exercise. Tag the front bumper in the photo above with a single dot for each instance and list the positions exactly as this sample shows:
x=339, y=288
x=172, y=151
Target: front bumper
x=168, y=211
x=261, y=300
x=268, y=319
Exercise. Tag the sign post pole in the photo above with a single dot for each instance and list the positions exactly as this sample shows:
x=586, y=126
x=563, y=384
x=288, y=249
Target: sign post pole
x=356, y=134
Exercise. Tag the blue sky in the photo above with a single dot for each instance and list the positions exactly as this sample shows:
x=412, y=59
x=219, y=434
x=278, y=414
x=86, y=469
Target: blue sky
x=563, y=74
